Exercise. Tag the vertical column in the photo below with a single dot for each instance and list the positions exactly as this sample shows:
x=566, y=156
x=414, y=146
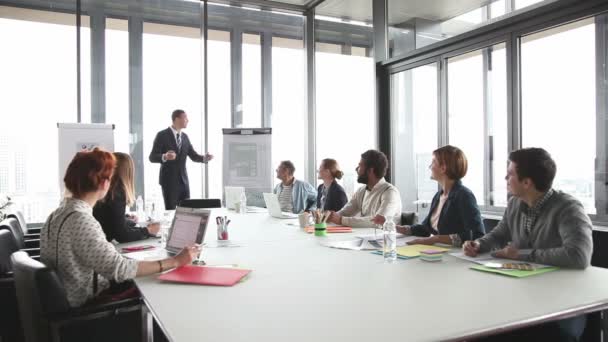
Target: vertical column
x=601, y=105
x=379, y=10
x=513, y=93
x=236, y=57
x=488, y=118
x=266, y=79
x=205, y=36
x=309, y=43
x=78, y=68
x=98, y=67
x=442, y=95
x=136, y=102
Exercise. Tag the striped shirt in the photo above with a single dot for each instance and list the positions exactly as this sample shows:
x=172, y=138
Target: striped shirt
x=285, y=198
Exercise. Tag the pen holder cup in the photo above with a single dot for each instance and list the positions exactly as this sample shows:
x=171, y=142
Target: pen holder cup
x=320, y=229
x=222, y=232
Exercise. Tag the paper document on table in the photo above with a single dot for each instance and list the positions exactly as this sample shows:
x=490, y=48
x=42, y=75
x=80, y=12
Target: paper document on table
x=413, y=251
x=461, y=255
x=354, y=244
x=487, y=258
x=379, y=236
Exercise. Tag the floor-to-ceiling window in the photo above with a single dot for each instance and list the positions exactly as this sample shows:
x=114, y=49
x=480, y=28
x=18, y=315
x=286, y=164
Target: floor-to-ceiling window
x=345, y=99
x=172, y=79
x=558, y=82
x=117, y=81
x=414, y=118
x=38, y=86
x=477, y=119
x=289, y=124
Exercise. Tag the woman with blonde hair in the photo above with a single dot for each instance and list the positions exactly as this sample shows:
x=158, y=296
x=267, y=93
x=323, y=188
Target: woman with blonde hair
x=330, y=194
x=110, y=211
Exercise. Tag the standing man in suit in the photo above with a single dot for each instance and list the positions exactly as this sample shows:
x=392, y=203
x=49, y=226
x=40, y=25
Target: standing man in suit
x=170, y=149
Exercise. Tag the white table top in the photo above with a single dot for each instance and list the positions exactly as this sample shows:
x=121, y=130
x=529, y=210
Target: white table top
x=300, y=290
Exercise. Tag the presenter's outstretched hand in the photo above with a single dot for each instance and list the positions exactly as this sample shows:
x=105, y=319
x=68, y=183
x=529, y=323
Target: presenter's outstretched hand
x=170, y=155
x=208, y=156
x=187, y=254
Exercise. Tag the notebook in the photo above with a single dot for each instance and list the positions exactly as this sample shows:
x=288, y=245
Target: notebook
x=203, y=275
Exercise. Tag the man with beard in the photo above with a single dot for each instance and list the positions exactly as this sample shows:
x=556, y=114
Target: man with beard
x=377, y=197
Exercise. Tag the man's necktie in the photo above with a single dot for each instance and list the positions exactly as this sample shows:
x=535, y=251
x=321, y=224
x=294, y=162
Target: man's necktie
x=179, y=141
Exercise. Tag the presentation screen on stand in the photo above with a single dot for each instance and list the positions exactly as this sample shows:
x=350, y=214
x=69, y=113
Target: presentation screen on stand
x=76, y=137
x=247, y=161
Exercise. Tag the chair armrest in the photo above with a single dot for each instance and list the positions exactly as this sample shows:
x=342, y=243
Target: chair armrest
x=96, y=311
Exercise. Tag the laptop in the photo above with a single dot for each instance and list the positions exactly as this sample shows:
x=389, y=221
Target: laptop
x=233, y=195
x=187, y=228
x=274, y=208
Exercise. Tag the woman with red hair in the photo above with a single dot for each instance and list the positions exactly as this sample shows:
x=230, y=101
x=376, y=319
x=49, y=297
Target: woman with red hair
x=73, y=243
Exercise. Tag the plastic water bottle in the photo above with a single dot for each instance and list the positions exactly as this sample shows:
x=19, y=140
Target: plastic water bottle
x=390, y=241
x=243, y=203
x=139, y=207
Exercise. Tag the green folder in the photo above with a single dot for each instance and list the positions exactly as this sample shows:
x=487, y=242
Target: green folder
x=514, y=273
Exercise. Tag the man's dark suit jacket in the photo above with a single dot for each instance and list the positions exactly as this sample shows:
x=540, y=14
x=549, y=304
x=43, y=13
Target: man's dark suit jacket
x=173, y=171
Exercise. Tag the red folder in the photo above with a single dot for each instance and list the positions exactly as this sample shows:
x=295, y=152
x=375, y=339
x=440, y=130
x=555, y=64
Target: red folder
x=202, y=275
x=331, y=229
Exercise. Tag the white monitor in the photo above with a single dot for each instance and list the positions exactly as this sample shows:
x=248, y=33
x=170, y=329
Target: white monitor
x=233, y=195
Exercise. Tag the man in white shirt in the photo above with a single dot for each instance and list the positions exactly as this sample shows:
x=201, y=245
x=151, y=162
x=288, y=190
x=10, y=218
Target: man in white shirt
x=377, y=197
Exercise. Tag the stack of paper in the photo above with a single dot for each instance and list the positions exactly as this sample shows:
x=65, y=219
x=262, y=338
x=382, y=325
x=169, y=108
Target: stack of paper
x=487, y=263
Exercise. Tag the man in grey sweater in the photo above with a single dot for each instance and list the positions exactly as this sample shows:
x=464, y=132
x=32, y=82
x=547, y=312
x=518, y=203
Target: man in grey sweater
x=540, y=225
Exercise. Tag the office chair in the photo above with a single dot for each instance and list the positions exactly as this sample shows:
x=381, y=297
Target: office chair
x=47, y=316
x=201, y=203
x=489, y=224
x=32, y=247
x=408, y=219
x=10, y=329
x=29, y=233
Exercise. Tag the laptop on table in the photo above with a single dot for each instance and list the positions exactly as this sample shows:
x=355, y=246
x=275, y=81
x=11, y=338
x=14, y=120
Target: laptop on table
x=274, y=207
x=187, y=228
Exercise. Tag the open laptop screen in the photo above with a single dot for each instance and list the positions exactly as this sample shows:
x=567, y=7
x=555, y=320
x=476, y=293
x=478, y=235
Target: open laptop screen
x=188, y=227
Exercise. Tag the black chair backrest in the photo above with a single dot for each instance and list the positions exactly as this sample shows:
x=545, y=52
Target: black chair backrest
x=12, y=224
x=408, y=219
x=39, y=293
x=18, y=215
x=8, y=246
x=489, y=224
x=201, y=203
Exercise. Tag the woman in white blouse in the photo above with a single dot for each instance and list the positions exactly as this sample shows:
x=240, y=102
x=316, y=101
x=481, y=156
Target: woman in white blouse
x=73, y=243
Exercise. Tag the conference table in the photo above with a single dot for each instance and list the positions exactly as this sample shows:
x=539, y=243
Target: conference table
x=301, y=290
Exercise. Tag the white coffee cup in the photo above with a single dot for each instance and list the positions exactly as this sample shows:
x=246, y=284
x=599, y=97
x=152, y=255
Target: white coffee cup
x=305, y=219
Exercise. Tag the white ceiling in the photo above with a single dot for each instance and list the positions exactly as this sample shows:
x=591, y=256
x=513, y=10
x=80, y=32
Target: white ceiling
x=398, y=11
